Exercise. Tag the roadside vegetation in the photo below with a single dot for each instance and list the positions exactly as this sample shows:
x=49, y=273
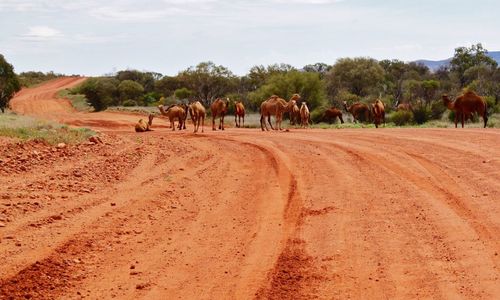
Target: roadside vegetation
x=321, y=85
x=27, y=128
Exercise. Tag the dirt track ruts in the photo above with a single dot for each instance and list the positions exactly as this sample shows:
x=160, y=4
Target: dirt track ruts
x=305, y=214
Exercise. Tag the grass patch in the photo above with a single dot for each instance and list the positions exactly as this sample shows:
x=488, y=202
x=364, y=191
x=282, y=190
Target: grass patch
x=27, y=128
x=78, y=101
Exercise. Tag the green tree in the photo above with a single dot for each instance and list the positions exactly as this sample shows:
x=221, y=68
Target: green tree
x=320, y=68
x=183, y=93
x=100, y=92
x=130, y=90
x=466, y=58
x=308, y=85
x=9, y=83
x=360, y=76
x=208, y=81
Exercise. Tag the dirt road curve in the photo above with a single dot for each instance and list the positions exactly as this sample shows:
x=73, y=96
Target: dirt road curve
x=241, y=214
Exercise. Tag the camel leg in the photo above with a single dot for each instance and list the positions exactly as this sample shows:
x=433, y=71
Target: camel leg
x=456, y=119
x=222, y=122
x=485, y=117
x=463, y=119
x=243, y=121
x=213, y=123
x=269, y=121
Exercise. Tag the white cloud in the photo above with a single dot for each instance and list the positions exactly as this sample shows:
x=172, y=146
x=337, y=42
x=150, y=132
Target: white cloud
x=41, y=33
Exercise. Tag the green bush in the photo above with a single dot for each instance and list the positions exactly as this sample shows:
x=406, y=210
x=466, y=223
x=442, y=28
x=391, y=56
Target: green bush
x=400, y=118
x=129, y=102
x=422, y=114
x=437, y=110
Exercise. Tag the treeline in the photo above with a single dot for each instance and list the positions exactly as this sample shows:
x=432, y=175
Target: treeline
x=321, y=85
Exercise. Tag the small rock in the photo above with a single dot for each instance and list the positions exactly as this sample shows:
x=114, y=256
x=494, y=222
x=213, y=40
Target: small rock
x=61, y=145
x=95, y=139
x=2, y=224
x=132, y=267
x=18, y=244
x=113, y=204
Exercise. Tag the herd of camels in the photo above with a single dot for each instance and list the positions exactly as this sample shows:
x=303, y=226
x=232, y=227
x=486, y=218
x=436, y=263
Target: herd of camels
x=464, y=107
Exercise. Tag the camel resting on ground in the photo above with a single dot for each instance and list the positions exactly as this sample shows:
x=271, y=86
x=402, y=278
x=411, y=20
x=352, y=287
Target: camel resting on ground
x=466, y=105
x=219, y=108
x=275, y=106
x=197, y=113
x=174, y=112
x=143, y=126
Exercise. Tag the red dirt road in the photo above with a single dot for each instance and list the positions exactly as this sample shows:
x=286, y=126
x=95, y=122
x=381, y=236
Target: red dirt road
x=241, y=214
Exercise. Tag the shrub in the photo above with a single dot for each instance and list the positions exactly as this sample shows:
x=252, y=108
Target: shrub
x=401, y=117
x=421, y=114
x=437, y=110
x=129, y=102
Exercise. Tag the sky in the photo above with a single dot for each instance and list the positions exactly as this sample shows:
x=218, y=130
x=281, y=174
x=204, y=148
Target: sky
x=97, y=37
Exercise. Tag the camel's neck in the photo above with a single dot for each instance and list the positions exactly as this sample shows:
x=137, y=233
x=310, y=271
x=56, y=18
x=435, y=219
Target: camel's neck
x=449, y=104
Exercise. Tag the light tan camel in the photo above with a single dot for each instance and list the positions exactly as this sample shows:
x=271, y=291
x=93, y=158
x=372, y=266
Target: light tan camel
x=466, y=105
x=295, y=115
x=275, y=106
x=304, y=115
x=239, y=113
x=174, y=112
x=378, y=111
x=197, y=113
x=219, y=108
x=358, y=110
x=143, y=126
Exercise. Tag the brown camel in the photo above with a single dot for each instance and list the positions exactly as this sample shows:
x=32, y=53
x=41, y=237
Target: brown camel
x=332, y=113
x=403, y=106
x=304, y=115
x=275, y=106
x=239, y=113
x=197, y=113
x=466, y=105
x=185, y=107
x=295, y=115
x=358, y=110
x=143, y=126
x=219, y=108
x=174, y=112
x=378, y=111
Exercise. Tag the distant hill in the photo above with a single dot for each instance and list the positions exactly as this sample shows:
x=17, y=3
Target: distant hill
x=436, y=64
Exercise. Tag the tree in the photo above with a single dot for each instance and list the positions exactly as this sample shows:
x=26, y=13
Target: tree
x=100, y=92
x=360, y=76
x=130, y=90
x=9, y=83
x=320, y=68
x=466, y=58
x=308, y=85
x=183, y=93
x=208, y=81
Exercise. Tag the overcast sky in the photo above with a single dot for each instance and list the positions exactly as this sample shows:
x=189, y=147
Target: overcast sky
x=94, y=37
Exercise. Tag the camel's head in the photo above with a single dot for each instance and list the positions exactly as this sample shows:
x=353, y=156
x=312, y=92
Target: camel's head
x=295, y=97
x=303, y=104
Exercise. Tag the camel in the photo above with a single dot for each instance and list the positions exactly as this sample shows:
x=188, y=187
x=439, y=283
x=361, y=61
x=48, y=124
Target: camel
x=304, y=115
x=239, y=113
x=357, y=110
x=143, y=126
x=378, y=112
x=403, y=106
x=295, y=115
x=174, y=112
x=466, y=105
x=219, y=108
x=275, y=106
x=332, y=113
x=197, y=113
x=185, y=107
